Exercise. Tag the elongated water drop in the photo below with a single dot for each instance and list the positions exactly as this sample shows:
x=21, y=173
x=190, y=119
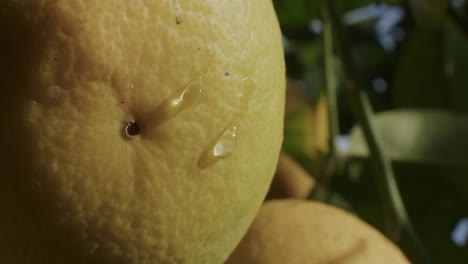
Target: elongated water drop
x=176, y=103
x=223, y=146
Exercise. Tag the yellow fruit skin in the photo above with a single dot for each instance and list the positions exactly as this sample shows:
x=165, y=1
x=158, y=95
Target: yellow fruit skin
x=299, y=232
x=73, y=189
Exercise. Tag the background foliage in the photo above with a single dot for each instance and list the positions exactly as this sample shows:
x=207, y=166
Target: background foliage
x=411, y=57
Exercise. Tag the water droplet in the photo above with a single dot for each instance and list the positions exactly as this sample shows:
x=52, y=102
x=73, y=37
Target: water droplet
x=222, y=147
x=176, y=103
x=224, y=144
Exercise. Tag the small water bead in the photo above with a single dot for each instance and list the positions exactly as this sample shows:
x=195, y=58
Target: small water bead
x=227, y=143
x=222, y=147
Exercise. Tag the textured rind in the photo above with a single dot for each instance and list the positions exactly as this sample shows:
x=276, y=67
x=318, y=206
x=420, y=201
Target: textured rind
x=72, y=189
x=299, y=231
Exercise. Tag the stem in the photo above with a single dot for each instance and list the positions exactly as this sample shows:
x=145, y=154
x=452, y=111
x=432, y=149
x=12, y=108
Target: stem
x=330, y=88
x=363, y=112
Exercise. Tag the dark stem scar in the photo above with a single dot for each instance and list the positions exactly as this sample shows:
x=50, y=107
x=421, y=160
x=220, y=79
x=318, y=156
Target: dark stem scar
x=132, y=129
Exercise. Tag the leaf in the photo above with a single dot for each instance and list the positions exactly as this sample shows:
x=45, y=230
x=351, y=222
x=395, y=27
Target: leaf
x=310, y=53
x=431, y=72
x=429, y=14
x=420, y=136
x=434, y=201
x=295, y=13
x=349, y=5
x=456, y=66
x=420, y=76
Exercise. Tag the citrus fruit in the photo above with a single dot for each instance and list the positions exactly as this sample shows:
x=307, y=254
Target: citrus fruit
x=300, y=231
x=290, y=180
x=135, y=131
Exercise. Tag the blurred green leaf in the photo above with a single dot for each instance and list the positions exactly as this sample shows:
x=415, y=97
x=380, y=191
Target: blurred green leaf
x=296, y=13
x=419, y=136
x=310, y=53
x=420, y=78
x=431, y=72
x=348, y=5
x=435, y=198
x=429, y=14
x=456, y=66
x=370, y=58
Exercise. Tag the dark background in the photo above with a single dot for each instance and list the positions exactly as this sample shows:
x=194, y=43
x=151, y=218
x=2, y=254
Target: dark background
x=411, y=59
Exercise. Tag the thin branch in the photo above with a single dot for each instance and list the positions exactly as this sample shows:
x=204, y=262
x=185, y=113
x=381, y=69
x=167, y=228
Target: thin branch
x=330, y=93
x=363, y=112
